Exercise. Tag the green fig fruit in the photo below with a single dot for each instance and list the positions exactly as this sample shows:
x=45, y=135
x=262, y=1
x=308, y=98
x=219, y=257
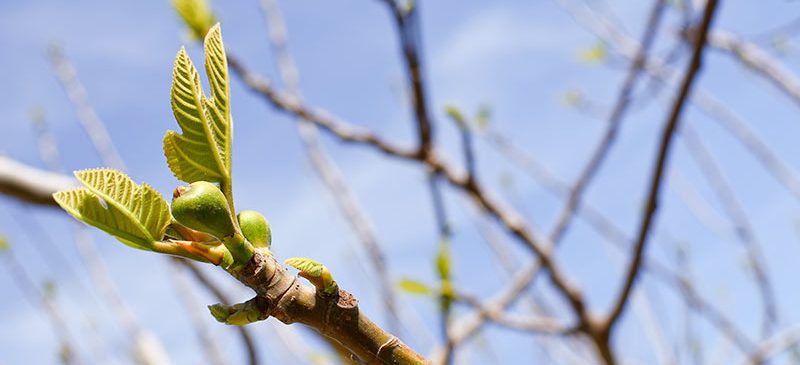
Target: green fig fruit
x=202, y=206
x=255, y=228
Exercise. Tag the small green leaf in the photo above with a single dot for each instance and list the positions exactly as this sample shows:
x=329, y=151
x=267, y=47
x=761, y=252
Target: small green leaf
x=308, y=266
x=4, y=245
x=135, y=214
x=483, y=117
x=315, y=272
x=49, y=289
x=456, y=116
x=596, y=54
x=443, y=260
x=414, y=287
x=572, y=97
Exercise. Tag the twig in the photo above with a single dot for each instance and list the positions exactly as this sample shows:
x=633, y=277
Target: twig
x=614, y=234
x=614, y=121
x=444, y=232
x=216, y=291
x=87, y=117
x=774, y=345
x=759, y=61
x=36, y=296
x=525, y=324
x=198, y=315
x=656, y=179
x=742, y=227
x=30, y=184
x=659, y=70
x=408, y=29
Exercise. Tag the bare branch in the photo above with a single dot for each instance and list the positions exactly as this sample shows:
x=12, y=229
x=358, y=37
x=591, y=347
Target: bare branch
x=656, y=179
x=660, y=70
x=30, y=184
x=774, y=345
x=742, y=227
x=519, y=323
x=759, y=61
x=216, y=291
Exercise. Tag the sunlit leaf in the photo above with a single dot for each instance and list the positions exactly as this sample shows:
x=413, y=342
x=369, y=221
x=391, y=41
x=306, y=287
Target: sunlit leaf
x=315, y=272
x=4, y=245
x=596, y=54
x=135, y=214
x=414, y=287
x=307, y=266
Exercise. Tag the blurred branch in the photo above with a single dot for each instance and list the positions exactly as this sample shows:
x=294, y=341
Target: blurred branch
x=744, y=230
x=614, y=121
x=656, y=180
x=36, y=296
x=219, y=295
x=322, y=119
x=758, y=61
x=410, y=37
x=526, y=324
x=614, y=234
x=30, y=184
x=774, y=345
x=198, y=315
x=660, y=71
x=325, y=166
x=87, y=117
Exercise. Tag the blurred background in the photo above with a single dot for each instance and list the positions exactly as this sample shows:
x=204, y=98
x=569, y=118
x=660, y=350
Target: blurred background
x=531, y=85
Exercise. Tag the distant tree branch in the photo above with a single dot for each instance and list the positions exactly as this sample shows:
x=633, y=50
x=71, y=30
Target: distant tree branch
x=656, y=179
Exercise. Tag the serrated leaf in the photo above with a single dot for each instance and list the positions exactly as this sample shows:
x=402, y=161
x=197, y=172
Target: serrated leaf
x=201, y=152
x=308, y=266
x=414, y=287
x=216, y=63
x=135, y=214
x=315, y=272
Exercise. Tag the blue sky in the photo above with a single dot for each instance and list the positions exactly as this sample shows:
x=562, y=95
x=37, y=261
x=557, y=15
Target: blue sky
x=519, y=57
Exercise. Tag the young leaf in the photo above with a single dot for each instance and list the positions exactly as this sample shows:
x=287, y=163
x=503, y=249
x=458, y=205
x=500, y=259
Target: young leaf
x=414, y=287
x=135, y=214
x=596, y=54
x=202, y=152
x=315, y=272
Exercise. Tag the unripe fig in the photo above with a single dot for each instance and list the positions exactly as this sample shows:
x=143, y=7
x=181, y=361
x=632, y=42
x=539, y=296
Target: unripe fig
x=203, y=207
x=255, y=228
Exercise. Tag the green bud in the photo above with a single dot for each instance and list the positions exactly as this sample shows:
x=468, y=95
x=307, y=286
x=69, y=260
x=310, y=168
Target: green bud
x=255, y=228
x=203, y=207
x=239, y=314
